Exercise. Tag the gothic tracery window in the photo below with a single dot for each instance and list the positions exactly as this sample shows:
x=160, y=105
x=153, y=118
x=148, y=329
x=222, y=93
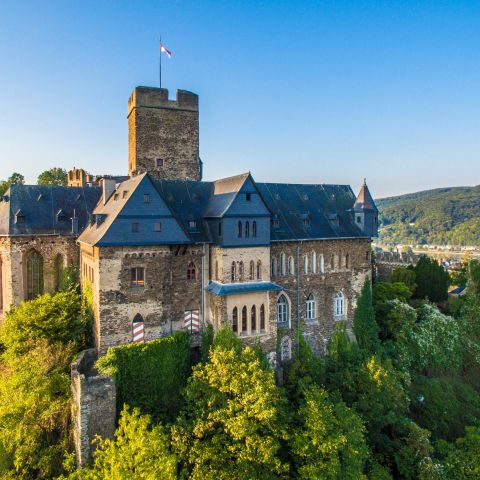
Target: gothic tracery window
x=34, y=274
x=191, y=271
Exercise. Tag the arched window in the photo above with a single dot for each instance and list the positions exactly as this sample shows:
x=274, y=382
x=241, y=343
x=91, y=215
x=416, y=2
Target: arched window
x=253, y=319
x=313, y=262
x=274, y=266
x=138, y=332
x=336, y=260
x=321, y=263
x=262, y=318
x=247, y=229
x=239, y=233
x=286, y=349
x=339, y=310
x=347, y=261
x=216, y=269
x=34, y=274
x=235, y=320
x=58, y=271
x=252, y=270
x=283, y=267
x=240, y=271
x=234, y=272
x=310, y=308
x=259, y=270
x=191, y=271
x=305, y=264
x=291, y=266
x=254, y=228
x=282, y=310
x=244, y=320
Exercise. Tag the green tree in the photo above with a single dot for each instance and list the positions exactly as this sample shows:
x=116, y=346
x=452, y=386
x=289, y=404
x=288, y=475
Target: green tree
x=462, y=459
x=383, y=291
x=53, y=176
x=329, y=442
x=231, y=427
x=364, y=325
x=432, y=280
x=14, y=179
x=139, y=450
x=404, y=275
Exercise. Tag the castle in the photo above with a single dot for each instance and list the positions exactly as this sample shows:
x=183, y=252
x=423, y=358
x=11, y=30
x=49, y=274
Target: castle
x=161, y=250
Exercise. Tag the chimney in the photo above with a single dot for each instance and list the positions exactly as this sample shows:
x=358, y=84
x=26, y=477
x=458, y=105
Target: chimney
x=108, y=187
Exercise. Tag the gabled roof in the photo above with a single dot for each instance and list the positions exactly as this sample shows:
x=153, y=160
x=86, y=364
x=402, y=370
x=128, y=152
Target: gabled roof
x=39, y=206
x=364, y=199
x=303, y=211
x=223, y=194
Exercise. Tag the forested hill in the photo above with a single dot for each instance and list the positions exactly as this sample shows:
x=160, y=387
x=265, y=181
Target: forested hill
x=441, y=216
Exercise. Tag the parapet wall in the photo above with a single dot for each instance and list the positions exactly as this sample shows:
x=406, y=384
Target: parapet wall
x=152, y=97
x=93, y=405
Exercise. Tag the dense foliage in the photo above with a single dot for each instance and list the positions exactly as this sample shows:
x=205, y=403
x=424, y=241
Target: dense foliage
x=39, y=340
x=13, y=179
x=442, y=216
x=53, y=176
x=151, y=375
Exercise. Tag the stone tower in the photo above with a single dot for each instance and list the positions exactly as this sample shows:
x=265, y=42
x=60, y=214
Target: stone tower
x=163, y=134
x=366, y=212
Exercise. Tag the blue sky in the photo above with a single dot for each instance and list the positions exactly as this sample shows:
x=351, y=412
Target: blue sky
x=324, y=91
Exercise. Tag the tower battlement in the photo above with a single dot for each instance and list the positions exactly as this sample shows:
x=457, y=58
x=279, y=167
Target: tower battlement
x=163, y=134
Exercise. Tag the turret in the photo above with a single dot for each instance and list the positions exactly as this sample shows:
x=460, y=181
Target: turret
x=366, y=212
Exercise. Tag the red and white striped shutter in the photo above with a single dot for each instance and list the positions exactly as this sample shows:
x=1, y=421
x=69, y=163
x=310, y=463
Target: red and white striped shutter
x=138, y=332
x=191, y=321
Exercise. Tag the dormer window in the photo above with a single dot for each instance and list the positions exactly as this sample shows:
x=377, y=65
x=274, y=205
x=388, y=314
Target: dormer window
x=146, y=198
x=359, y=219
x=192, y=224
x=61, y=216
x=158, y=227
x=115, y=196
x=275, y=223
x=159, y=162
x=19, y=217
x=125, y=193
x=248, y=197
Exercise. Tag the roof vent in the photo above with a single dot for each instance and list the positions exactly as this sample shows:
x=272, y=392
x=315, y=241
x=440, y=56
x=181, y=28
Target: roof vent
x=40, y=197
x=61, y=216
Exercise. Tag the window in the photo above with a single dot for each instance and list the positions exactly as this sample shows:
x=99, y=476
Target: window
x=274, y=266
x=367, y=255
x=192, y=224
x=282, y=264
x=239, y=230
x=244, y=320
x=235, y=320
x=336, y=260
x=310, y=308
x=313, y=262
x=124, y=194
x=58, y=272
x=252, y=270
x=19, y=217
x=321, y=263
x=247, y=229
x=347, y=261
x=282, y=310
x=115, y=196
x=359, y=219
x=291, y=266
x=191, y=271
x=159, y=162
x=259, y=270
x=135, y=227
x=137, y=277
x=286, y=349
x=332, y=263
x=339, y=307
x=240, y=271
x=234, y=272
x=158, y=227
x=248, y=196
x=254, y=229
x=146, y=198
x=253, y=319
x=219, y=229
x=216, y=269
x=34, y=274
x=275, y=223
x=305, y=264
x=262, y=318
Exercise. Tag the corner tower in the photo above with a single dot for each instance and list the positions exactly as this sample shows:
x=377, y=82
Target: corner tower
x=163, y=134
x=366, y=212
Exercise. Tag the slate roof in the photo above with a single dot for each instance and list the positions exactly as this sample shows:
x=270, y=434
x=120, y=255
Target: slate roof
x=223, y=289
x=307, y=211
x=46, y=210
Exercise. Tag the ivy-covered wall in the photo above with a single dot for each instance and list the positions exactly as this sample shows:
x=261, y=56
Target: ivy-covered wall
x=150, y=375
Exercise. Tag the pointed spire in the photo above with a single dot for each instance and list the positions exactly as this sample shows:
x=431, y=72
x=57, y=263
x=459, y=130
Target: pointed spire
x=365, y=200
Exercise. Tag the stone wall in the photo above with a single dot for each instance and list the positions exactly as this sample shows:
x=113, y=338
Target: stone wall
x=346, y=266
x=387, y=262
x=161, y=301
x=13, y=252
x=164, y=130
x=93, y=405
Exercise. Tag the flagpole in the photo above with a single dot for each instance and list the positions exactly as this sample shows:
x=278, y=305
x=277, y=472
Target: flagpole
x=160, y=62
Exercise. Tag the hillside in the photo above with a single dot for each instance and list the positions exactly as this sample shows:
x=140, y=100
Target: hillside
x=440, y=216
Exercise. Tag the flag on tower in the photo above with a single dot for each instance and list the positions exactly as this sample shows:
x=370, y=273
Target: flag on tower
x=165, y=50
